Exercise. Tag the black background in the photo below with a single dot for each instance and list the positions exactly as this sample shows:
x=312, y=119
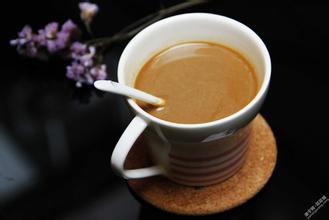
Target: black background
x=56, y=140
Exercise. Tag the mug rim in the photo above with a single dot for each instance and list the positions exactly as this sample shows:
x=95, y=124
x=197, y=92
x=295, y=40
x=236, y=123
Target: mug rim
x=219, y=122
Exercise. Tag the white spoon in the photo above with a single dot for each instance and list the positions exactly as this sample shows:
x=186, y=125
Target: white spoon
x=120, y=89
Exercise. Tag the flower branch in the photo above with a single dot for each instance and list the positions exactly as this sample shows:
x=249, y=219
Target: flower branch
x=86, y=57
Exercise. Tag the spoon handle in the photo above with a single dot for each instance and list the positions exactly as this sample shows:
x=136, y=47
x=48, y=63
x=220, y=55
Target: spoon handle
x=118, y=88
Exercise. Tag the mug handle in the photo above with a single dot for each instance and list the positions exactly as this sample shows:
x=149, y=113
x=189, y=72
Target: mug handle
x=122, y=148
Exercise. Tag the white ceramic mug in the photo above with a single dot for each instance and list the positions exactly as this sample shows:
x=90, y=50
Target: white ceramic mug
x=191, y=154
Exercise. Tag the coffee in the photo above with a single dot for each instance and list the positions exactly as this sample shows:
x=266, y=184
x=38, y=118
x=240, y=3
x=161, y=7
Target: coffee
x=200, y=82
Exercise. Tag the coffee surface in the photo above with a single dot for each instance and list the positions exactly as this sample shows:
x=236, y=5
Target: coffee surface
x=200, y=82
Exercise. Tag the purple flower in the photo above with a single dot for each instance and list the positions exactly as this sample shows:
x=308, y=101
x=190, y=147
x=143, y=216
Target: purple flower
x=84, y=68
x=99, y=72
x=82, y=53
x=62, y=41
x=75, y=72
x=85, y=75
x=59, y=40
x=40, y=38
x=26, y=32
x=51, y=46
x=87, y=59
x=88, y=11
x=51, y=30
x=78, y=49
x=69, y=27
x=49, y=39
x=25, y=43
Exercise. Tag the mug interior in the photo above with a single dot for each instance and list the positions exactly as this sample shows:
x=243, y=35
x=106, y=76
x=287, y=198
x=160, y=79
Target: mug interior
x=194, y=27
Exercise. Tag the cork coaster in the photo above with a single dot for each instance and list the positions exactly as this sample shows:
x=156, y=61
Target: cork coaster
x=184, y=200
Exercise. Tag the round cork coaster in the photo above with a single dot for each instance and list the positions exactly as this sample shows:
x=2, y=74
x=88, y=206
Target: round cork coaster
x=184, y=200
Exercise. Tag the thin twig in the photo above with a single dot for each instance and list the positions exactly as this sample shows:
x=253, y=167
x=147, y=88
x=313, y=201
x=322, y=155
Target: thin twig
x=140, y=24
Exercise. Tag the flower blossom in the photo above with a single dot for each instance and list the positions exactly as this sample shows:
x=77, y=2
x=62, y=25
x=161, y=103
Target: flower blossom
x=56, y=40
x=48, y=40
x=87, y=12
x=26, y=42
x=84, y=69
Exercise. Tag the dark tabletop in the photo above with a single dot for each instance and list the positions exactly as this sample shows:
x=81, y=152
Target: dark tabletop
x=56, y=140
